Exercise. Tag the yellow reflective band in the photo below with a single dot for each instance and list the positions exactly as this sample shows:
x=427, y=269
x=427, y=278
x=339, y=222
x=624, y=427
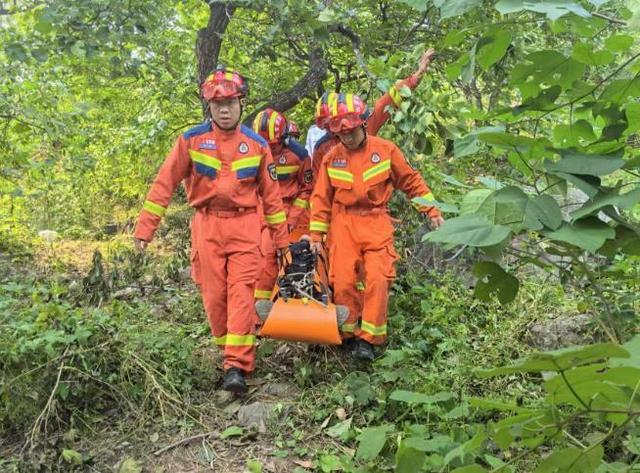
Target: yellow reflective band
x=373, y=329
x=240, y=340
x=272, y=126
x=276, y=218
x=350, y=103
x=426, y=199
x=395, y=96
x=303, y=204
x=376, y=170
x=360, y=286
x=228, y=75
x=334, y=105
x=154, y=208
x=348, y=328
x=248, y=162
x=256, y=122
x=284, y=170
x=316, y=226
x=340, y=175
x=262, y=294
x=205, y=159
x=235, y=340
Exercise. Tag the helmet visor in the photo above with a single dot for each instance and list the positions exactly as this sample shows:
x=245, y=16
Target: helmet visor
x=345, y=123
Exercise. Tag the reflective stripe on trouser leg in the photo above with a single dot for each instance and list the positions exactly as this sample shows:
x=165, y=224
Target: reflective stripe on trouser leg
x=379, y=271
x=213, y=274
x=242, y=273
x=229, y=258
x=344, y=262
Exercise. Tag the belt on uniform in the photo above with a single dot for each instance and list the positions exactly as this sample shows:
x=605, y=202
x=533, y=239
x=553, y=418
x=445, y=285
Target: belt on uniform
x=360, y=210
x=228, y=213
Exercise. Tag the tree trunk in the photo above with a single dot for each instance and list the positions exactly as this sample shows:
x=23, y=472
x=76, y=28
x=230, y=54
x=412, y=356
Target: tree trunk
x=307, y=84
x=209, y=40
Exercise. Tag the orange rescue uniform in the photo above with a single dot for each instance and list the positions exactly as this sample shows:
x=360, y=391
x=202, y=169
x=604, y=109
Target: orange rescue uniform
x=295, y=179
x=378, y=118
x=350, y=201
x=225, y=173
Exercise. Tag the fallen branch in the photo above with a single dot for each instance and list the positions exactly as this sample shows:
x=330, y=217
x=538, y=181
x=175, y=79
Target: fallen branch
x=183, y=441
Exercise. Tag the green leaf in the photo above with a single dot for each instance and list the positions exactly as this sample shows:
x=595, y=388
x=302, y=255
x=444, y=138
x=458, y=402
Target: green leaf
x=418, y=5
x=254, y=466
x=469, y=448
x=408, y=459
x=412, y=397
x=553, y=9
x=72, y=456
x=340, y=429
x=575, y=162
x=547, y=67
x=621, y=90
x=475, y=468
x=471, y=230
x=233, y=431
x=632, y=112
x=439, y=443
x=330, y=463
x=584, y=53
x=603, y=199
x=560, y=359
x=491, y=48
x=454, y=37
x=371, y=441
x=574, y=134
x=618, y=42
x=572, y=460
x=493, y=404
x=492, y=279
x=452, y=8
x=633, y=348
x=473, y=200
x=588, y=234
x=130, y=465
x=545, y=209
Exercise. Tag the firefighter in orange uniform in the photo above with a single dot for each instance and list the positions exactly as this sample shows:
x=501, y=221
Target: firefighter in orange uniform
x=354, y=185
x=293, y=168
x=227, y=169
x=378, y=118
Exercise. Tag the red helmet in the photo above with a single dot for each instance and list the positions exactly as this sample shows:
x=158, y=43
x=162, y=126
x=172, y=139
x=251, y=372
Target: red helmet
x=347, y=112
x=222, y=85
x=323, y=110
x=293, y=129
x=271, y=125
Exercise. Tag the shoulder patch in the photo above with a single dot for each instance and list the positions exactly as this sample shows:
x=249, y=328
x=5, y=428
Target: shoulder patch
x=308, y=176
x=197, y=130
x=245, y=130
x=272, y=172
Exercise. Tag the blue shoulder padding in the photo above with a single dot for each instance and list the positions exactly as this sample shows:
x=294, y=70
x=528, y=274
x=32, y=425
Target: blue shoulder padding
x=245, y=130
x=197, y=130
x=299, y=150
x=322, y=139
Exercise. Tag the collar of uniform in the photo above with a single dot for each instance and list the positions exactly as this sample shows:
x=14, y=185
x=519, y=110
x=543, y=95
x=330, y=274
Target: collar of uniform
x=225, y=135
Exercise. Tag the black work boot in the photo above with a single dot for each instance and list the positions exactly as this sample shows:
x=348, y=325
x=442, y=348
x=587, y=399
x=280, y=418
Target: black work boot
x=234, y=381
x=363, y=350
